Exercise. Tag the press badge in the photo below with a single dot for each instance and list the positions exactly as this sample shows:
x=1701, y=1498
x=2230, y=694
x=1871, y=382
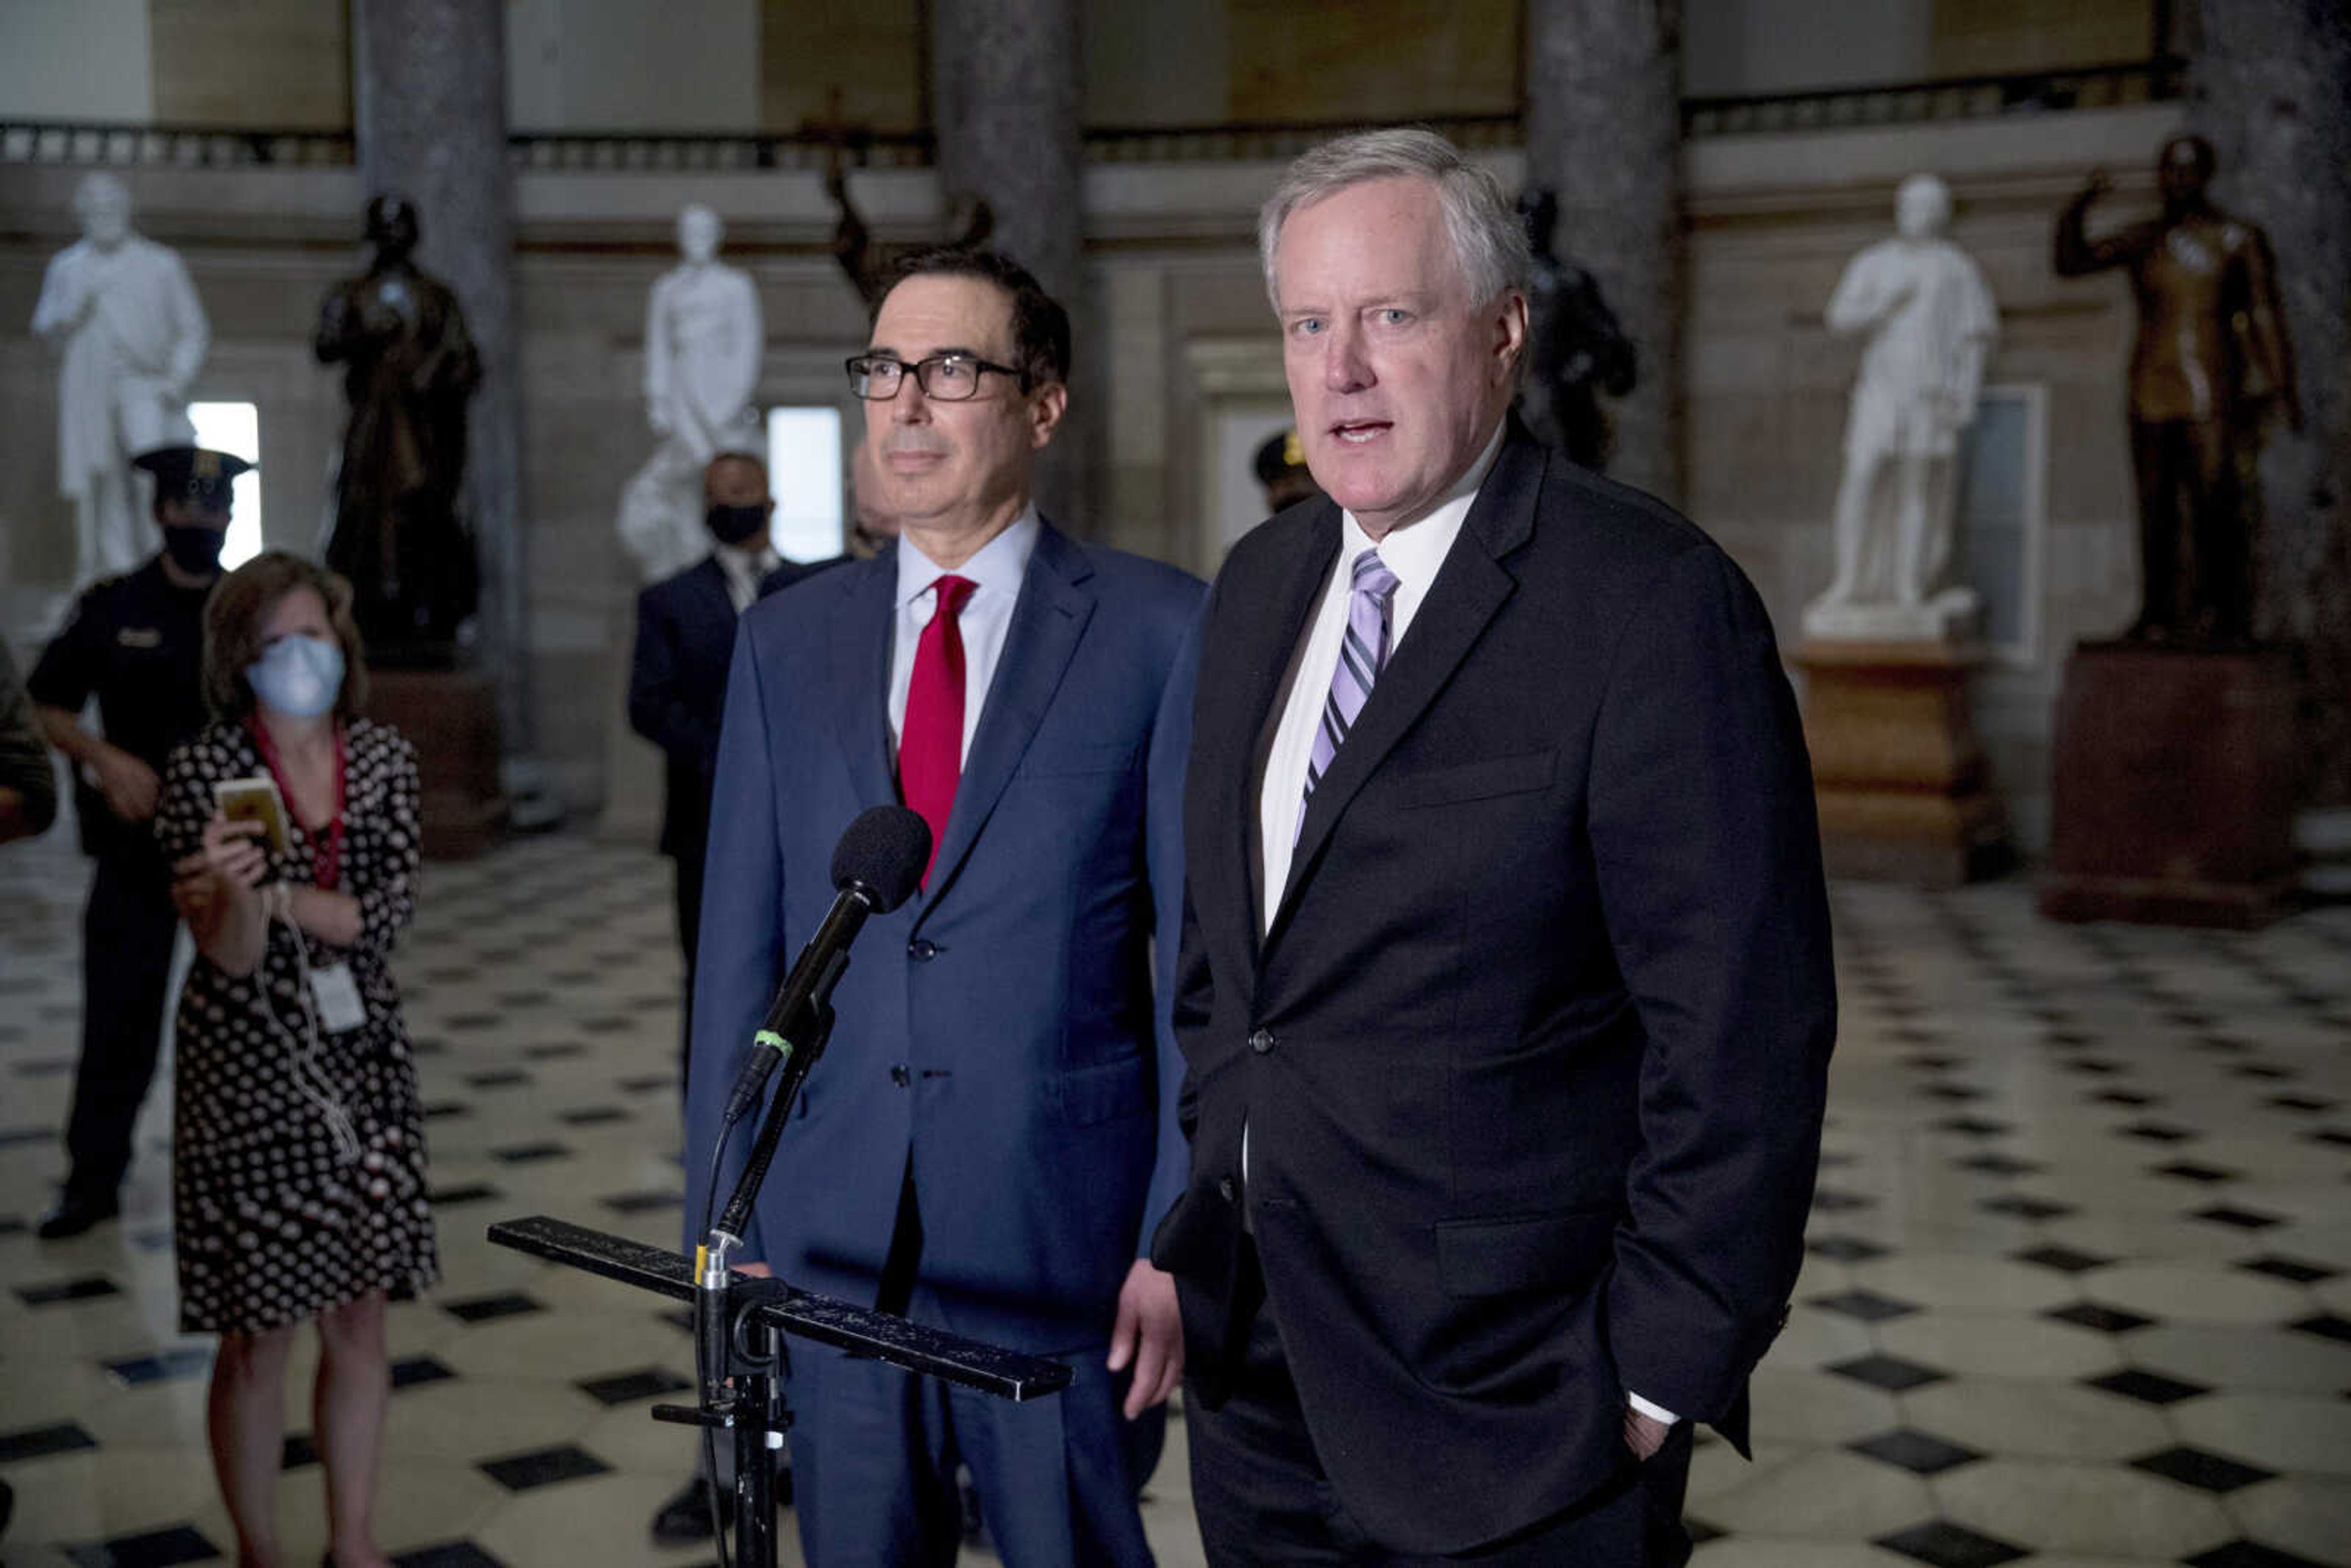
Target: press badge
x=337, y=995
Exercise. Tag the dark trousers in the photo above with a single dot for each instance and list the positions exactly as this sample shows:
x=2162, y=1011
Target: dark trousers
x=689, y=934
x=126, y=969
x=1262, y=1496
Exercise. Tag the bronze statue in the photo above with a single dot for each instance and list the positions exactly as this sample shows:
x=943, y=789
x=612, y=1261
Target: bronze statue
x=411, y=367
x=2213, y=355
x=867, y=263
x=1576, y=348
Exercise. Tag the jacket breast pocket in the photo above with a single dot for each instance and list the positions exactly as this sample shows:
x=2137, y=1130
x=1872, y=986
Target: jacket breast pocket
x=1483, y=779
x=1559, y=1251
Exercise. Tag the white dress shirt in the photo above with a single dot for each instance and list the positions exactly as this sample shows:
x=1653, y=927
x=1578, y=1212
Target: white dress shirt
x=995, y=571
x=745, y=570
x=1415, y=553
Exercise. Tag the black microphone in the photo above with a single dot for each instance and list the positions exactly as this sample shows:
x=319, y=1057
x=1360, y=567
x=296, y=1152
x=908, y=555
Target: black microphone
x=877, y=866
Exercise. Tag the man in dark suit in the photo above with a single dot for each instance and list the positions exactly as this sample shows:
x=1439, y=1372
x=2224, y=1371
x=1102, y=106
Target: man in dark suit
x=677, y=678
x=1505, y=991
x=990, y=1138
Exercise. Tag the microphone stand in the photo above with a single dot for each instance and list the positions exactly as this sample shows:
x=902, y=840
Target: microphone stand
x=741, y=1321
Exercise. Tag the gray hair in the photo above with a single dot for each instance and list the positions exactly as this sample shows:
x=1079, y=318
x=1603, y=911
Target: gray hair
x=1488, y=238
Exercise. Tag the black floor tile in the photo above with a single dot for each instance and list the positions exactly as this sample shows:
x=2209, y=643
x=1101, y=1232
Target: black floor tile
x=1974, y=1127
x=2326, y=1325
x=2242, y=1219
x=152, y=1549
x=2249, y=1554
x=174, y=1366
x=89, y=1287
x=2205, y=1472
x=497, y=1077
x=2064, y=1259
x=2147, y=1387
x=1846, y=1249
x=1942, y=1544
x=464, y=1192
x=1920, y=1453
x=417, y=1371
x=1890, y=1373
x=554, y=1050
x=545, y=1467
x=39, y=1442
x=2022, y=1208
x=488, y=1309
x=531, y=1153
x=593, y=1116
x=2290, y=1269
x=2106, y=1320
x=642, y=1202
x=297, y=1452
x=1867, y=1305
x=625, y=1386
x=436, y=1110
x=2000, y=1166
x=2158, y=1133
x=2192, y=1170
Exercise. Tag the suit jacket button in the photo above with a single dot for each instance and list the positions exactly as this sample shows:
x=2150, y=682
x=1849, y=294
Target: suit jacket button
x=922, y=949
x=1225, y=1189
x=899, y=1075
x=1261, y=1041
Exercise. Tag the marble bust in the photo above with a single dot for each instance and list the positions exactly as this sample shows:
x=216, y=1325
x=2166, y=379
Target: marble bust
x=703, y=341
x=1928, y=322
x=124, y=316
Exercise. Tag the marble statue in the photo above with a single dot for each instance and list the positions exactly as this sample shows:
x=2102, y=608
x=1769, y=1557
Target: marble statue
x=1930, y=323
x=2212, y=360
x=1576, y=350
x=704, y=340
x=410, y=369
x=133, y=336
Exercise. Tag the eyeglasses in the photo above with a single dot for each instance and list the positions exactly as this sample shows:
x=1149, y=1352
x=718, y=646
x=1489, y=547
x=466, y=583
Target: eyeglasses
x=949, y=378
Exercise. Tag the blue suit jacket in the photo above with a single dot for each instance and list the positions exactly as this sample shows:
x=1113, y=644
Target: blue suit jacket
x=1001, y=1028
x=677, y=685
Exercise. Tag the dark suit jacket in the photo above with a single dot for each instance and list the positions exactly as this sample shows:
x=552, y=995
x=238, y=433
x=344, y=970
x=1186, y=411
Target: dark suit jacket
x=1533, y=1058
x=1000, y=1028
x=677, y=686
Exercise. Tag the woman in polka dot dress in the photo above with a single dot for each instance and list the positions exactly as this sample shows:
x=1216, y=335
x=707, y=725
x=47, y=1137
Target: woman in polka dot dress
x=298, y=1167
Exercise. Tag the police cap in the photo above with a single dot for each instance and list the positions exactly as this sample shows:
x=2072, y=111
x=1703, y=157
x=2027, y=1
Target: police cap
x=196, y=474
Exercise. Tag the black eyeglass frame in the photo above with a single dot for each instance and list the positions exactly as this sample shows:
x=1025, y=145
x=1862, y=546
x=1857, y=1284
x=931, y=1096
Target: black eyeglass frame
x=922, y=370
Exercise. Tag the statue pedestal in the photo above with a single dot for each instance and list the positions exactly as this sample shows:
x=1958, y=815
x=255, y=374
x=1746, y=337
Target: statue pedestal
x=1896, y=768
x=2172, y=800
x=450, y=716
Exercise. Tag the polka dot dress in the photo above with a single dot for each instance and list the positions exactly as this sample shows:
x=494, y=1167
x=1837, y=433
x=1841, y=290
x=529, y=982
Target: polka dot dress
x=278, y=1215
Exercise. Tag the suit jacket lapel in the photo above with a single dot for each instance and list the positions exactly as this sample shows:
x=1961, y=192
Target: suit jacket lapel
x=1048, y=619
x=858, y=653
x=1266, y=632
x=1470, y=587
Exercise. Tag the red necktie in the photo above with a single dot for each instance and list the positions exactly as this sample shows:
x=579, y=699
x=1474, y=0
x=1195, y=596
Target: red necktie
x=930, y=744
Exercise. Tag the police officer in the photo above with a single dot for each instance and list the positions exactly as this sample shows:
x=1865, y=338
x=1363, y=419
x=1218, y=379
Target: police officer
x=135, y=643
x=1281, y=466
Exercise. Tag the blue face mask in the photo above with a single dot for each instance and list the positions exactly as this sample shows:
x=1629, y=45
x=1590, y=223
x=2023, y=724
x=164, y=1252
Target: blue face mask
x=298, y=675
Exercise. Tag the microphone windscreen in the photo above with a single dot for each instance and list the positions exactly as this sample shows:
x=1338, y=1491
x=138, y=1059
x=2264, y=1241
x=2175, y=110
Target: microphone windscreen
x=886, y=850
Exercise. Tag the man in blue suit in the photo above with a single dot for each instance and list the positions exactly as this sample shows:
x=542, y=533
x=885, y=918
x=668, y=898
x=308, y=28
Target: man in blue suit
x=991, y=1138
x=677, y=677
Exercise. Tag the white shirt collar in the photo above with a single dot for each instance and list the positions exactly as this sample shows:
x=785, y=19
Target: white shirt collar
x=1415, y=551
x=997, y=567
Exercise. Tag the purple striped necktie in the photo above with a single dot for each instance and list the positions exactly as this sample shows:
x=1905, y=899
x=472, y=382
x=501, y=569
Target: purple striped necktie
x=1362, y=653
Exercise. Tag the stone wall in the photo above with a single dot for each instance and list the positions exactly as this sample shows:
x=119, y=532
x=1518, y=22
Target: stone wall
x=1192, y=358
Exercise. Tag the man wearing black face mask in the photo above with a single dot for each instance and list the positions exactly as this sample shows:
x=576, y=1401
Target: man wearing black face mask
x=136, y=643
x=678, y=680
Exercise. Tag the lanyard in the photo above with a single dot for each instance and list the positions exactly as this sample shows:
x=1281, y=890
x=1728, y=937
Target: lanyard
x=326, y=846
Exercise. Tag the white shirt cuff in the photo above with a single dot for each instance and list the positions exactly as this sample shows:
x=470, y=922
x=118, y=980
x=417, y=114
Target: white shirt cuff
x=1654, y=1412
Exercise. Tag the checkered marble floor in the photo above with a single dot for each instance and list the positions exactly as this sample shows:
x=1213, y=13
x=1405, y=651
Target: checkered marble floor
x=2078, y=1292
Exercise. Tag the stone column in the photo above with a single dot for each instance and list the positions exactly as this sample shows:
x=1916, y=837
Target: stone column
x=2270, y=87
x=1603, y=133
x=1005, y=97
x=430, y=110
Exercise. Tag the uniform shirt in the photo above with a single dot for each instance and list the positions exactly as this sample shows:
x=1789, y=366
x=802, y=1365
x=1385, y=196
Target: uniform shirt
x=996, y=570
x=136, y=643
